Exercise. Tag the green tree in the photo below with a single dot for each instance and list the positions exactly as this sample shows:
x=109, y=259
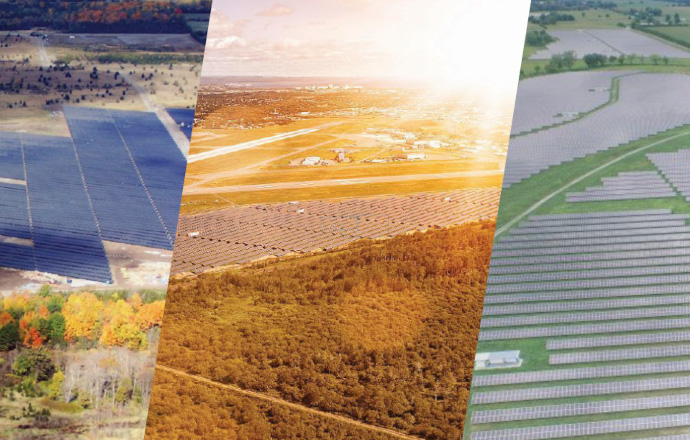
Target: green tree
x=9, y=336
x=56, y=331
x=34, y=363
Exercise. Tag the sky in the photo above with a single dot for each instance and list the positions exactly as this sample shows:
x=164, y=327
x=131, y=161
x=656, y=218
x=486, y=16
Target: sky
x=457, y=43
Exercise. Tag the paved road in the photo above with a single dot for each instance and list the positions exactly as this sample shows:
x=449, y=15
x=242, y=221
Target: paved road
x=337, y=182
x=290, y=405
x=204, y=179
x=221, y=151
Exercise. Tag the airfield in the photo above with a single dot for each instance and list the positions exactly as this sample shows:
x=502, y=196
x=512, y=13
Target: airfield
x=589, y=270
x=292, y=182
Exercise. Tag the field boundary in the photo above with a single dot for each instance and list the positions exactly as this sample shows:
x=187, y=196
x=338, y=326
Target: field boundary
x=295, y=406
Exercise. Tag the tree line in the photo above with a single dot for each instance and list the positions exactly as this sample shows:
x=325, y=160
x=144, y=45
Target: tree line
x=131, y=16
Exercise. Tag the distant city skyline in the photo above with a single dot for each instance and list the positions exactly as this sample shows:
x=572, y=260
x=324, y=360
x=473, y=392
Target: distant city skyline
x=448, y=43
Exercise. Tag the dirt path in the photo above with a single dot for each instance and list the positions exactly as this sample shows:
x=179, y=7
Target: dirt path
x=290, y=405
x=338, y=182
x=42, y=53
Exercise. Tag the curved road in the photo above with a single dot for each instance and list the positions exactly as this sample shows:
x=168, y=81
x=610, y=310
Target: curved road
x=290, y=405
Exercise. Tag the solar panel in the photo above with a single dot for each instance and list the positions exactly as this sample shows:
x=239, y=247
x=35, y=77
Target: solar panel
x=667, y=351
x=579, y=409
x=580, y=373
x=587, y=428
x=580, y=390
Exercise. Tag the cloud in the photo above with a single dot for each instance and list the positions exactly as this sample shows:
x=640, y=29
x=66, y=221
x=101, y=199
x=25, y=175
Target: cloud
x=224, y=33
x=277, y=10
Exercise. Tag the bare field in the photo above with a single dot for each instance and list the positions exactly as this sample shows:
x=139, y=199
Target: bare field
x=154, y=42
x=355, y=171
x=210, y=202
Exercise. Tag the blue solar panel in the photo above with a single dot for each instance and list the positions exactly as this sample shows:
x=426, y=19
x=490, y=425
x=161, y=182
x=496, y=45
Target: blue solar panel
x=11, y=162
x=184, y=118
x=119, y=178
x=133, y=171
x=65, y=234
x=14, y=221
x=17, y=256
x=161, y=164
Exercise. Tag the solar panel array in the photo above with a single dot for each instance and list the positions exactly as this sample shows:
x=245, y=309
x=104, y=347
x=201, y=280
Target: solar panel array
x=243, y=234
x=609, y=42
x=65, y=234
x=588, y=428
x=648, y=104
x=132, y=172
x=118, y=178
x=609, y=291
x=15, y=221
x=580, y=408
x=626, y=186
x=553, y=99
x=184, y=118
x=674, y=167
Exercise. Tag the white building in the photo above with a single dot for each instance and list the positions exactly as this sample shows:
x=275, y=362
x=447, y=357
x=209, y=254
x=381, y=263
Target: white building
x=415, y=156
x=311, y=160
x=498, y=359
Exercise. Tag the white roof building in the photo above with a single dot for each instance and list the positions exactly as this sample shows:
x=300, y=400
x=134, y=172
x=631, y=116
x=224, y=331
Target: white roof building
x=498, y=359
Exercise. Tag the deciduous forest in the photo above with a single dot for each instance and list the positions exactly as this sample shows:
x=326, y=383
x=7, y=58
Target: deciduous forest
x=131, y=16
x=73, y=363
x=382, y=332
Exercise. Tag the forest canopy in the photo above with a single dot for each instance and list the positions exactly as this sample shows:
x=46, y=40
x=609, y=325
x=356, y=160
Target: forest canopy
x=131, y=16
x=381, y=332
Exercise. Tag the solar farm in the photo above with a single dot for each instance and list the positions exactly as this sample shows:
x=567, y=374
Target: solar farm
x=647, y=104
x=590, y=276
x=609, y=42
x=118, y=178
x=248, y=233
x=184, y=117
